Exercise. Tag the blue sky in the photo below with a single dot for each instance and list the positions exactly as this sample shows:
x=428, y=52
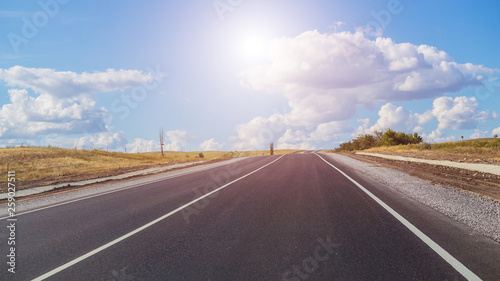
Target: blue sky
x=236, y=75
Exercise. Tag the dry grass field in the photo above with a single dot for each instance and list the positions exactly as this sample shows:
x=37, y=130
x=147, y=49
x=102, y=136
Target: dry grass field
x=38, y=166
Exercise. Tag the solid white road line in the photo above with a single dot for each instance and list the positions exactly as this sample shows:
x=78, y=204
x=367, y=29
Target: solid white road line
x=91, y=253
x=467, y=273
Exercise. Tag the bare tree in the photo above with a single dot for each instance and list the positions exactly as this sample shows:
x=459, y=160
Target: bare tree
x=271, y=147
x=161, y=140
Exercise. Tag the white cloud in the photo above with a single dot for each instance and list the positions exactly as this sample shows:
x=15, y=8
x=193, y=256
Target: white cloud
x=30, y=117
x=116, y=141
x=395, y=118
x=259, y=132
x=496, y=131
x=330, y=130
x=177, y=140
x=103, y=140
x=141, y=145
x=211, y=145
x=63, y=103
x=174, y=141
x=326, y=77
x=437, y=136
x=458, y=113
x=70, y=84
x=295, y=139
x=479, y=134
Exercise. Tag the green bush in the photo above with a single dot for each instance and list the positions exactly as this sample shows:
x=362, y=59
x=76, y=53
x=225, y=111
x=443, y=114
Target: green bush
x=385, y=138
x=425, y=146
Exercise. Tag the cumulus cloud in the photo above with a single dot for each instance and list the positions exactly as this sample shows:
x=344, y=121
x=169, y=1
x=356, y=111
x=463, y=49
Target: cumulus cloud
x=330, y=130
x=294, y=139
x=458, y=113
x=174, y=141
x=116, y=141
x=321, y=74
x=451, y=113
x=310, y=140
x=259, y=132
x=211, y=145
x=279, y=129
x=60, y=102
x=103, y=140
x=177, y=140
x=142, y=145
x=479, y=134
x=70, y=84
x=326, y=77
x=496, y=131
x=437, y=136
x=394, y=117
x=27, y=117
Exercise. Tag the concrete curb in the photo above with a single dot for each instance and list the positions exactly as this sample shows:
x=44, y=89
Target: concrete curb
x=484, y=168
x=36, y=190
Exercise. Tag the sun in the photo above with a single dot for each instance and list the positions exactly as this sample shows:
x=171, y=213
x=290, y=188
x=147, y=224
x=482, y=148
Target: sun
x=253, y=46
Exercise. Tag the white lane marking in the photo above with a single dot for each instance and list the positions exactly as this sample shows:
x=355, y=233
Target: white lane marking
x=167, y=177
x=91, y=253
x=467, y=273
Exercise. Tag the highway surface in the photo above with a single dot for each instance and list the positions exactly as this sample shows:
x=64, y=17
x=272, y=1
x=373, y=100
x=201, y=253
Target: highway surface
x=293, y=217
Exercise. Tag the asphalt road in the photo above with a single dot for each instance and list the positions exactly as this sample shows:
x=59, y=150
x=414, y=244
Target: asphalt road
x=264, y=218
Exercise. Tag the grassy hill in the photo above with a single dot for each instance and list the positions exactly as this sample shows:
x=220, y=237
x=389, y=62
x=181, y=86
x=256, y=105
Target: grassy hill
x=37, y=166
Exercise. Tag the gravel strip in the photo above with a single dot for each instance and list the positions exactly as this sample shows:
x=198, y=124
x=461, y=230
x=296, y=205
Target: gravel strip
x=478, y=212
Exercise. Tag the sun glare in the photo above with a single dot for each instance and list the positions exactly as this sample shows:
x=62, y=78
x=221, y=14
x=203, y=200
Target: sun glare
x=253, y=46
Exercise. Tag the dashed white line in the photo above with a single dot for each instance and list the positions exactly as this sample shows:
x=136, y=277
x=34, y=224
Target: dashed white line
x=91, y=253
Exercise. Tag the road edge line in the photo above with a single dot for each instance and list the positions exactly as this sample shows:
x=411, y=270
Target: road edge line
x=123, y=237
x=456, y=264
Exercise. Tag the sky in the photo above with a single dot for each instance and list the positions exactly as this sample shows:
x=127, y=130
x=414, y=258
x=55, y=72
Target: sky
x=240, y=74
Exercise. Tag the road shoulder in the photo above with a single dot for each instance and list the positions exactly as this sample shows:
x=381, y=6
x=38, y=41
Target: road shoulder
x=482, y=213
x=70, y=191
x=481, y=183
